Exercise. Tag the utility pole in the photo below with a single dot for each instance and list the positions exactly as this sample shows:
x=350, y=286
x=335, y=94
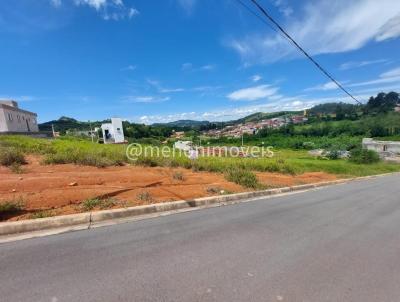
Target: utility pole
x=91, y=132
x=52, y=129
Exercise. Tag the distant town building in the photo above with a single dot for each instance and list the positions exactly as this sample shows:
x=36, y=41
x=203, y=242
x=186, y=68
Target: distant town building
x=113, y=133
x=16, y=120
x=178, y=134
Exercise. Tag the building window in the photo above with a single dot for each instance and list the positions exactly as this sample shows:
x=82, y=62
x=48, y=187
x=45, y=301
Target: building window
x=19, y=118
x=10, y=117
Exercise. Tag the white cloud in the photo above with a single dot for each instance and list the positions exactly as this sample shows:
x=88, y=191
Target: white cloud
x=390, y=30
x=283, y=7
x=325, y=27
x=253, y=93
x=129, y=68
x=97, y=4
x=324, y=87
x=256, y=78
x=18, y=98
x=162, y=89
x=187, y=5
x=55, y=3
x=351, y=65
x=190, y=67
x=110, y=9
x=390, y=76
x=207, y=67
x=187, y=66
x=132, y=12
x=391, y=73
x=145, y=99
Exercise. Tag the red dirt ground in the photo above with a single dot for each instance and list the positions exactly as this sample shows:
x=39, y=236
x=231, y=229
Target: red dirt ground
x=43, y=187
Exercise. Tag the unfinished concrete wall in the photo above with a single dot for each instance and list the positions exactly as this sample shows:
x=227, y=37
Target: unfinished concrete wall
x=381, y=146
x=14, y=119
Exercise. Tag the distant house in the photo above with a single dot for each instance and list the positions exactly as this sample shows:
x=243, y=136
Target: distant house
x=178, y=134
x=16, y=120
x=113, y=133
x=387, y=150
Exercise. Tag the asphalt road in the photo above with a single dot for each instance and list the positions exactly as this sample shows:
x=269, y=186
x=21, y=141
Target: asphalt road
x=340, y=243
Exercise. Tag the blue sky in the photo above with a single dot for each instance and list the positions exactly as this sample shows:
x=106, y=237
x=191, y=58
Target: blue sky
x=156, y=61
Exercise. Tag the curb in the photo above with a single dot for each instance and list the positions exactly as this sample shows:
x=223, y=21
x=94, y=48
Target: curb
x=86, y=219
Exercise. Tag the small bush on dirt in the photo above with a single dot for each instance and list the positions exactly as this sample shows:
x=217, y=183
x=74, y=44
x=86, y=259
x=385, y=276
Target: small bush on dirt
x=363, y=156
x=90, y=204
x=10, y=156
x=178, y=176
x=107, y=203
x=145, y=196
x=41, y=214
x=213, y=190
x=10, y=207
x=17, y=168
x=243, y=177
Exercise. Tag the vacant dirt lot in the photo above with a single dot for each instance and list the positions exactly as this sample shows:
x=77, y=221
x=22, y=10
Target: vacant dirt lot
x=60, y=189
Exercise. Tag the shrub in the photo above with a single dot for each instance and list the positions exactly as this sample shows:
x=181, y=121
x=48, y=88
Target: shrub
x=16, y=168
x=214, y=190
x=333, y=154
x=11, y=156
x=41, y=214
x=10, y=207
x=242, y=177
x=364, y=156
x=178, y=176
x=91, y=203
x=145, y=196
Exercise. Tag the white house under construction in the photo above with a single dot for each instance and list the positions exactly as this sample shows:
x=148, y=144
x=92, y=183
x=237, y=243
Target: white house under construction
x=113, y=133
x=15, y=120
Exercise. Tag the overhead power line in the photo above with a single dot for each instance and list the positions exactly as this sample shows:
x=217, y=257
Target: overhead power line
x=287, y=36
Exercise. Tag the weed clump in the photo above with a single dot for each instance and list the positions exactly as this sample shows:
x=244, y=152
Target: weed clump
x=243, y=177
x=145, y=196
x=11, y=156
x=41, y=214
x=92, y=203
x=178, y=176
x=10, y=207
x=363, y=156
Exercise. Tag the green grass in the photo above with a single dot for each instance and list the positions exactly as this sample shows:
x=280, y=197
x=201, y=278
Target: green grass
x=68, y=150
x=82, y=152
x=10, y=156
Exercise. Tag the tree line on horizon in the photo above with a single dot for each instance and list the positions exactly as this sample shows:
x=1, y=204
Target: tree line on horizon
x=318, y=124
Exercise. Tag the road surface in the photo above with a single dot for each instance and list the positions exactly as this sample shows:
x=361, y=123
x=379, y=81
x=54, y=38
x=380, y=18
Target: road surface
x=339, y=243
